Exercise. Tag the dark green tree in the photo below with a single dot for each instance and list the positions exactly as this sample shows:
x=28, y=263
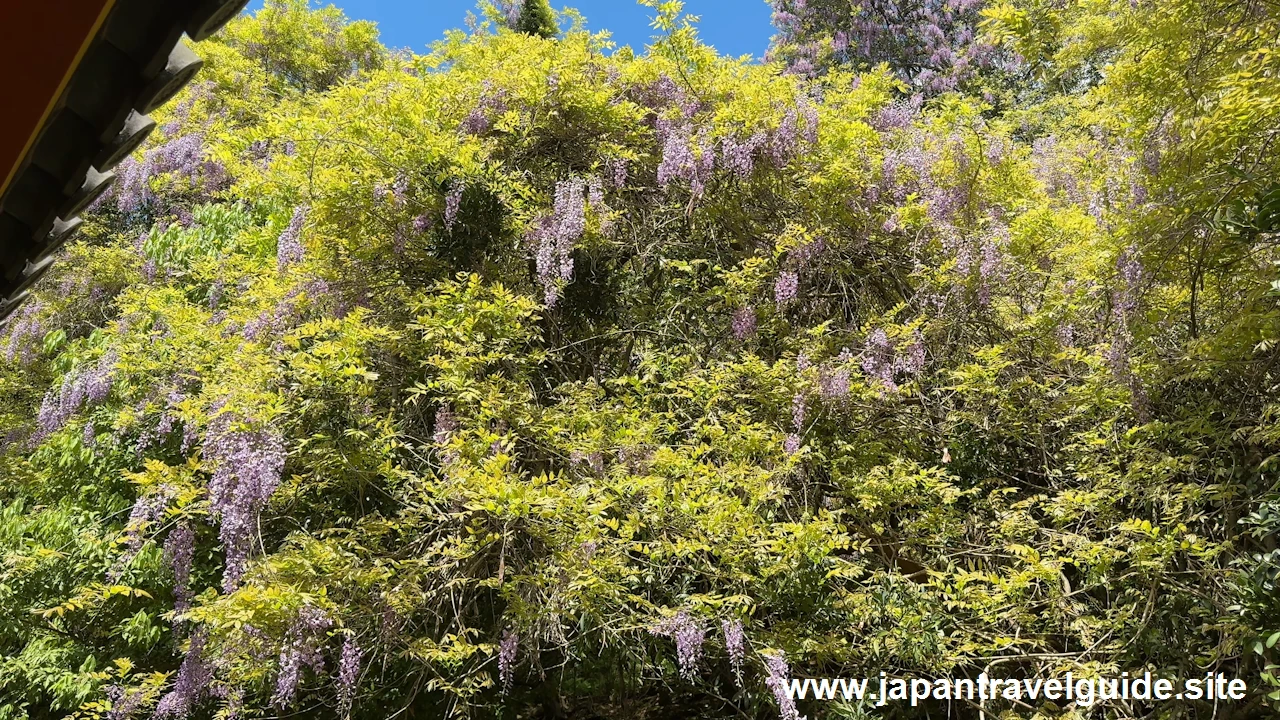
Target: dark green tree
x=537, y=18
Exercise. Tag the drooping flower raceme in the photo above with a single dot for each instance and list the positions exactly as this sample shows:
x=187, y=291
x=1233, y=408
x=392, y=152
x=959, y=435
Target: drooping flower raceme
x=83, y=387
x=777, y=680
x=735, y=641
x=554, y=237
x=689, y=634
x=192, y=684
x=247, y=460
x=179, y=551
x=507, y=658
x=289, y=248
x=786, y=287
x=877, y=359
x=348, y=671
x=302, y=648
x=147, y=509
x=744, y=323
x=452, y=203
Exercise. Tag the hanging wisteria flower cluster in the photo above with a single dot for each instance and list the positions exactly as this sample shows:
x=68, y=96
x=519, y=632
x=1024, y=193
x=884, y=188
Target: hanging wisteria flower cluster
x=182, y=159
x=507, y=658
x=26, y=331
x=83, y=387
x=735, y=641
x=193, y=682
x=348, y=671
x=303, y=647
x=452, y=204
x=689, y=634
x=932, y=44
x=779, y=675
x=289, y=247
x=884, y=361
x=553, y=238
x=491, y=105
x=247, y=460
x=179, y=551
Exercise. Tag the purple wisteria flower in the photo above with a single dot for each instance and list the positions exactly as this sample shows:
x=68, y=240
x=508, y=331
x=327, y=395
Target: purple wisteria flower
x=791, y=444
x=179, y=551
x=491, y=105
x=124, y=702
x=677, y=156
x=877, y=359
x=182, y=158
x=616, y=171
x=421, y=224
x=740, y=157
x=798, y=408
x=348, y=671
x=689, y=634
x=1130, y=271
x=247, y=460
x=786, y=287
x=554, y=237
x=833, y=384
x=452, y=203
x=147, y=509
x=777, y=680
x=302, y=648
x=744, y=322
x=912, y=358
x=83, y=387
x=26, y=333
x=192, y=684
x=507, y=659
x=289, y=248
x=735, y=641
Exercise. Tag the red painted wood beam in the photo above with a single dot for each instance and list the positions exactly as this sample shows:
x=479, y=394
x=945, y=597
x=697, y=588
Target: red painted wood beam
x=41, y=43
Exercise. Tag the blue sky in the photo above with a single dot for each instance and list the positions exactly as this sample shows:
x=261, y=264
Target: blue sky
x=734, y=27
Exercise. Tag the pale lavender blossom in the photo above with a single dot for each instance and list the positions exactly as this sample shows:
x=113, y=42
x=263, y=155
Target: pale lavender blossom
x=791, y=444
x=739, y=157
x=192, y=684
x=400, y=189
x=689, y=635
x=421, y=223
x=247, y=461
x=124, y=702
x=877, y=359
x=803, y=362
x=678, y=161
x=744, y=322
x=833, y=385
x=289, y=248
x=507, y=659
x=786, y=287
x=554, y=237
x=179, y=551
x=85, y=386
x=912, y=358
x=798, y=411
x=452, y=203
x=616, y=171
x=26, y=333
x=348, y=671
x=735, y=641
x=302, y=648
x=777, y=681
